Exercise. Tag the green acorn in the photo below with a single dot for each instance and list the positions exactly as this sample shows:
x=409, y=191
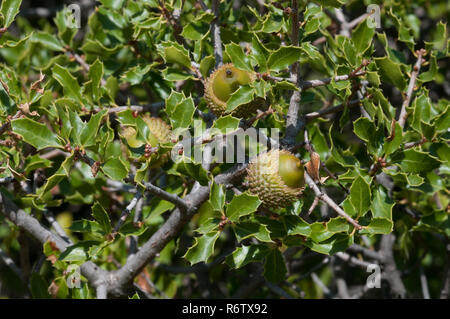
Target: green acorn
x=277, y=177
x=222, y=83
x=160, y=133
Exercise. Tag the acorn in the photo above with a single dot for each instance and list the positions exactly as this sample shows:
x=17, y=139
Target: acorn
x=222, y=83
x=160, y=129
x=277, y=177
x=160, y=133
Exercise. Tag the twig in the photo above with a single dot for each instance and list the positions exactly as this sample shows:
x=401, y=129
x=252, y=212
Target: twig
x=11, y=264
x=25, y=221
x=102, y=291
x=329, y=201
x=445, y=291
x=353, y=260
x=314, y=205
x=412, y=83
x=7, y=125
x=179, y=202
x=293, y=125
x=391, y=272
x=424, y=284
x=365, y=251
x=54, y=153
x=6, y=180
x=304, y=85
x=126, y=213
x=215, y=31
x=414, y=144
x=56, y=226
x=321, y=285
x=278, y=290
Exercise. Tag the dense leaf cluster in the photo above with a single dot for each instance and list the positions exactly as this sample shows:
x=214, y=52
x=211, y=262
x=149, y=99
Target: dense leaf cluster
x=373, y=103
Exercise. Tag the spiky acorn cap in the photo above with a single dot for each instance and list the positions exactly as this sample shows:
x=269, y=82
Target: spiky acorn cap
x=222, y=83
x=276, y=177
x=160, y=129
x=160, y=133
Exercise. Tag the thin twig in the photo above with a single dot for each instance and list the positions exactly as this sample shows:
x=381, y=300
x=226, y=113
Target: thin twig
x=424, y=284
x=215, y=31
x=11, y=264
x=179, y=202
x=126, y=213
x=412, y=83
x=329, y=201
x=102, y=292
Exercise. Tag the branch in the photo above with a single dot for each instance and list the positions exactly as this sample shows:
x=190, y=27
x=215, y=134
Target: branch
x=412, y=83
x=25, y=221
x=392, y=274
x=304, y=85
x=329, y=201
x=179, y=202
x=353, y=260
x=102, y=291
x=424, y=284
x=365, y=251
x=169, y=230
x=215, y=31
x=11, y=264
x=293, y=125
x=126, y=213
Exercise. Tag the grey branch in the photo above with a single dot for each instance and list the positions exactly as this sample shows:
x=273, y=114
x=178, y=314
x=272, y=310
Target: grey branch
x=424, y=284
x=329, y=201
x=332, y=109
x=365, y=251
x=179, y=202
x=102, y=291
x=170, y=229
x=11, y=264
x=215, y=31
x=293, y=125
x=391, y=272
x=127, y=212
x=412, y=83
x=92, y=272
x=353, y=260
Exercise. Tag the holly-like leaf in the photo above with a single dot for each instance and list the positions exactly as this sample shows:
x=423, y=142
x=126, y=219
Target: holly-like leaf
x=180, y=110
x=101, y=216
x=67, y=81
x=9, y=10
x=203, y=248
x=391, y=72
x=115, y=169
x=360, y=195
x=237, y=56
x=413, y=161
x=242, y=205
x=243, y=95
x=274, y=267
x=36, y=134
x=247, y=254
x=217, y=197
x=283, y=57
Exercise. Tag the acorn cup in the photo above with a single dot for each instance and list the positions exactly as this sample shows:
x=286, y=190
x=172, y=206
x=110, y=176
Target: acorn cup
x=222, y=83
x=276, y=177
x=160, y=133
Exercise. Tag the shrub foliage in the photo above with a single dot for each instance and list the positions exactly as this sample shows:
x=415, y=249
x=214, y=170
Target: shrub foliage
x=361, y=96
